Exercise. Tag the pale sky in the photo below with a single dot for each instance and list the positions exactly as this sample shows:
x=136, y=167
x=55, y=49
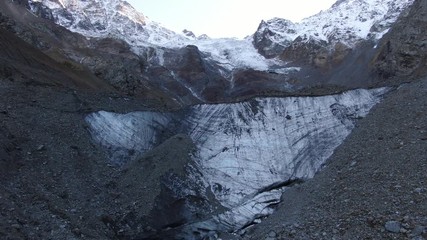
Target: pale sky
x=225, y=18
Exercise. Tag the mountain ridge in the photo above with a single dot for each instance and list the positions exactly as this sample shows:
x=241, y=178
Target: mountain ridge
x=346, y=22
x=301, y=58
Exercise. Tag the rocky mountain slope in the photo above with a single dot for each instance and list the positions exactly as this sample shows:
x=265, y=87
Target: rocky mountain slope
x=178, y=76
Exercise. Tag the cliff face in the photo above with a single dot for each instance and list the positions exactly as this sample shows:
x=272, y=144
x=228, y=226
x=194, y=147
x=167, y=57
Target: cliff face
x=402, y=52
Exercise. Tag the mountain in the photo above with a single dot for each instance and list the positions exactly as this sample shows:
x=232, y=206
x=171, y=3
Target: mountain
x=168, y=137
x=118, y=19
x=103, y=19
x=282, y=57
x=334, y=47
x=159, y=57
x=344, y=25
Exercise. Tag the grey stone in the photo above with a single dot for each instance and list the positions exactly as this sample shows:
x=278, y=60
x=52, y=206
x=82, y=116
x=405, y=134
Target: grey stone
x=418, y=238
x=272, y=234
x=41, y=148
x=418, y=230
x=393, y=226
x=16, y=226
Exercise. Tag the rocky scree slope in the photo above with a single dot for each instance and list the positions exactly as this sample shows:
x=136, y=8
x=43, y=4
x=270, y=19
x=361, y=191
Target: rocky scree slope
x=55, y=183
x=108, y=64
x=22, y=59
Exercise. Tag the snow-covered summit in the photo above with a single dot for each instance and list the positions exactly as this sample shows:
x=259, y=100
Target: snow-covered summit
x=118, y=19
x=107, y=18
x=347, y=22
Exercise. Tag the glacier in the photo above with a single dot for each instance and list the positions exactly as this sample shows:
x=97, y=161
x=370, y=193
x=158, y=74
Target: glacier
x=246, y=152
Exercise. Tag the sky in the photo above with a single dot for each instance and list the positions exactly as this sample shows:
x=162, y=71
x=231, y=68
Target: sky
x=225, y=18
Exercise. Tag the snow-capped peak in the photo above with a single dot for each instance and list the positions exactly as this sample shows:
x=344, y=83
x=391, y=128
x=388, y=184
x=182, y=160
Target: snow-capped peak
x=347, y=21
x=108, y=18
x=118, y=19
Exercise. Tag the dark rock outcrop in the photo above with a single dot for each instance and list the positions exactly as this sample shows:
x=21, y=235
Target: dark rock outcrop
x=188, y=33
x=249, y=82
x=198, y=72
x=402, y=53
x=307, y=52
x=42, y=11
x=265, y=39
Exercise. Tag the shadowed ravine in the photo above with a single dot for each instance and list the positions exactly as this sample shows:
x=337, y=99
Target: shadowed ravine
x=246, y=153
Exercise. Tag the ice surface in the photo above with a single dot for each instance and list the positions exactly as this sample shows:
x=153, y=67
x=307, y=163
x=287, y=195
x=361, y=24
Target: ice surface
x=127, y=135
x=245, y=147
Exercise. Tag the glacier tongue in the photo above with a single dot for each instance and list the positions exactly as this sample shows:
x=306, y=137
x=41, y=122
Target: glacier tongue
x=245, y=149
